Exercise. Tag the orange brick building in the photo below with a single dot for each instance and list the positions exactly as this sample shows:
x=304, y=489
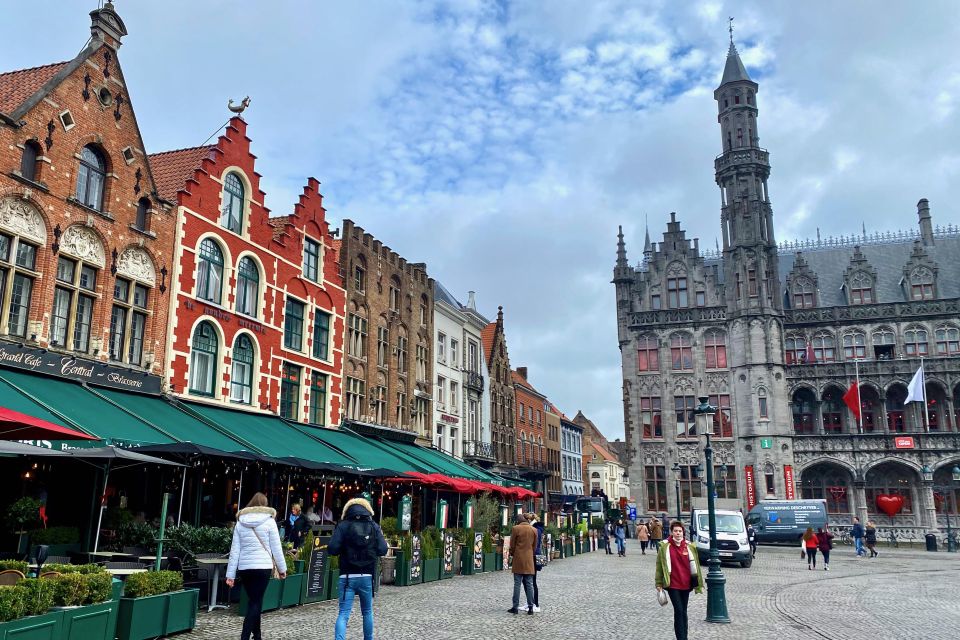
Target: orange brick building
x=86, y=241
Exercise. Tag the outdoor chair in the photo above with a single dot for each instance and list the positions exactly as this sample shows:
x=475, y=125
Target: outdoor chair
x=10, y=577
x=58, y=560
x=50, y=574
x=191, y=578
x=136, y=552
x=124, y=557
x=78, y=557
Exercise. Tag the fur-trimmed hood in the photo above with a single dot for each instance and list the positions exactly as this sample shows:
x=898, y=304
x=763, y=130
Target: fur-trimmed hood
x=255, y=516
x=361, y=502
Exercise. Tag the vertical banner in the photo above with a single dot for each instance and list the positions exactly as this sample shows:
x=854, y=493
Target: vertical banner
x=416, y=560
x=751, y=487
x=468, y=514
x=788, y=481
x=405, y=511
x=478, y=551
x=443, y=511
x=504, y=516
x=448, y=553
x=518, y=509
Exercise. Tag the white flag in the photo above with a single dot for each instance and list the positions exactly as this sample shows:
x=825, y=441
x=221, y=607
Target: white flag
x=916, y=391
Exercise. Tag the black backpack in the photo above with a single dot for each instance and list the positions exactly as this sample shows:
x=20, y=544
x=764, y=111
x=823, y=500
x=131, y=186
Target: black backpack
x=360, y=546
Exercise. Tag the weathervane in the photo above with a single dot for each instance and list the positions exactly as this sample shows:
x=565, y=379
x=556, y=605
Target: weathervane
x=238, y=109
x=731, y=30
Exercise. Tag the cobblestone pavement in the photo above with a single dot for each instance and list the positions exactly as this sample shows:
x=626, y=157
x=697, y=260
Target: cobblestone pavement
x=900, y=594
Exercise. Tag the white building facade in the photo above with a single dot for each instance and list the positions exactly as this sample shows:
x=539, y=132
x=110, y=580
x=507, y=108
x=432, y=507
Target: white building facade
x=571, y=458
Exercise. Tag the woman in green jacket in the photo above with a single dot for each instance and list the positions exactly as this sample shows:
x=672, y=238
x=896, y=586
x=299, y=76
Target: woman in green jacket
x=678, y=571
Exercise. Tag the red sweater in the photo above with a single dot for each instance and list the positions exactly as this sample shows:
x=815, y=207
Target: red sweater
x=679, y=568
x=812, y=543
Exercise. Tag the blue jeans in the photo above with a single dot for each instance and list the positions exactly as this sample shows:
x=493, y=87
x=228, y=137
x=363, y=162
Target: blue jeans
x=349, y=587
x=527, y=582
x=858, y=546
x=621, y=548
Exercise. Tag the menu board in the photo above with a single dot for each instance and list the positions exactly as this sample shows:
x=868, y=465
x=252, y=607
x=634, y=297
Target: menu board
x=478, y=551
x=448, y=553
x=316, y=571
x=416, y=558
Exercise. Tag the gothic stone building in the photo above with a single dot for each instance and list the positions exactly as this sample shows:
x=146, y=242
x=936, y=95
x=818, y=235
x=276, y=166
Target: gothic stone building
x=774, y=336
x=502, y=395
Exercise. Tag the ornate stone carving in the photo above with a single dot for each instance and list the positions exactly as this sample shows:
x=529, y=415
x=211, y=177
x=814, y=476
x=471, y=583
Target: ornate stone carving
x=22, y=218
x=81, y=242
x=136, y=263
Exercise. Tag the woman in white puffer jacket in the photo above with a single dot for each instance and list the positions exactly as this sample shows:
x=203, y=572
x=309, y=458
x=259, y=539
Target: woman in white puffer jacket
x=255, y=551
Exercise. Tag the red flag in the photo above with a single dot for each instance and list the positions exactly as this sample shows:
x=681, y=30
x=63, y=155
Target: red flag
x=811, y=356
x=852, y=399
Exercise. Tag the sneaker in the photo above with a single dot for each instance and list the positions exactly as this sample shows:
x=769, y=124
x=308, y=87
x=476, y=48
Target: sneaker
x=513, y=611
x=536, y=609
x=530, y=611
x=809, y=568
x=826, y=568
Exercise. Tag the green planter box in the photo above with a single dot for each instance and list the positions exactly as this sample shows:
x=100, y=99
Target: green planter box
x=567, y=549
x=333, y=584
x=271, y=597
x=577, y=546
x=48, y=626
x=402, y=567
x=498, y=562
x=466, y=561
x=155, y=616
x=489, y=561
x=117, y=586
x=431, y=569
x=291, y=591
x=92, y=622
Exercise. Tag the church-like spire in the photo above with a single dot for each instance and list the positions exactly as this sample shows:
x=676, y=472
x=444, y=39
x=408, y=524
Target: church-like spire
x=621, y=249
x=734, y=70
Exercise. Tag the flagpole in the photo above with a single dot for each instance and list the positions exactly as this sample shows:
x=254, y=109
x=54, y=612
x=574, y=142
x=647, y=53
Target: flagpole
x=856, y=366
x=923, y=394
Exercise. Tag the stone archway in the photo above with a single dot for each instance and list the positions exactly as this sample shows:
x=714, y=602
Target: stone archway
x=893, y=478
x=832, y=482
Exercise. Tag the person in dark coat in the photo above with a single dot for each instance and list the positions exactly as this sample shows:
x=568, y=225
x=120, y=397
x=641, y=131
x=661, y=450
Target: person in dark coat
x=870, y=537
x=523, y=543
x=359, y=543
x=297, y=526
x=825, y=544
x=537, y=552
x=606, y=538
x=752, y=539
x=857, y=532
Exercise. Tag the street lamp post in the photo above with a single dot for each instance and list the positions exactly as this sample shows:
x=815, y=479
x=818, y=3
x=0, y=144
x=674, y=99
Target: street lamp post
x=947, y=489
x=676, y=475
x=716, y=594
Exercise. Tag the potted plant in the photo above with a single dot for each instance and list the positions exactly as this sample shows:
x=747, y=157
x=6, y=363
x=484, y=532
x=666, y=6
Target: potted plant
x=87, y=602
x=464, y=540
x=25, y=611
x=431, y=554
x=333, y=577
x=155, y=604
x=388, y=563
x=291, y=591
x=60, y=541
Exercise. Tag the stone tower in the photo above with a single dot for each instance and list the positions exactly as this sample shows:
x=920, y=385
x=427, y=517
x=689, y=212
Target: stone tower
x=752, y=290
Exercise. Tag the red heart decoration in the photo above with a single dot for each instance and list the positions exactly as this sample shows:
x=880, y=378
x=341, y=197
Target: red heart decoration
x=890, y=504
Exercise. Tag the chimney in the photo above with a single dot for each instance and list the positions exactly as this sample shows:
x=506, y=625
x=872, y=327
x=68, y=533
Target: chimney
x=472, y=300
x=106, y=26
x=523, y=372
x=926, y=223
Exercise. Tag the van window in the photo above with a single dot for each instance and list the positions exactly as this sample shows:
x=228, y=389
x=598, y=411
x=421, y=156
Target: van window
x=590, y=505
x=725, y=523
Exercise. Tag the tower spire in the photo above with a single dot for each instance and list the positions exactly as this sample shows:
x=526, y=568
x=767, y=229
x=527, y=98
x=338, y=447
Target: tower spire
x=621, y=248
x=731, y=31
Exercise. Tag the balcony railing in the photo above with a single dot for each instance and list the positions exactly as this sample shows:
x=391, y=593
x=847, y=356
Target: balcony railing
x=882, y=311
x=478, y=449
x=473, y=381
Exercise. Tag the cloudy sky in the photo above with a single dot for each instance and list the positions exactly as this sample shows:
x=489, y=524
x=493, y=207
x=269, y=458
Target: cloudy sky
x=502, y=143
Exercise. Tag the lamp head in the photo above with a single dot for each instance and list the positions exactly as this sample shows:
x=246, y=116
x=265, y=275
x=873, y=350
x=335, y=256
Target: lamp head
x=956, y=473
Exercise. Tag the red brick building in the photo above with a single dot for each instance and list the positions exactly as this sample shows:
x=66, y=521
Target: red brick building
x=259, y=301
x=85, y=239
x=533, y=460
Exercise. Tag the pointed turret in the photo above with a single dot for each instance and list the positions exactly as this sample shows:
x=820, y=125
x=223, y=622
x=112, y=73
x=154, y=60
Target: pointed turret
x=734, y=71
x=621, y=249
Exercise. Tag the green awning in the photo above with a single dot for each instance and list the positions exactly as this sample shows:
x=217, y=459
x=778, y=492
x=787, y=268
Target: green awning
x=182, y=426
x=437, y=460
x=85, y=410
x=270, y=434
x=13, y=398
x=366, y=453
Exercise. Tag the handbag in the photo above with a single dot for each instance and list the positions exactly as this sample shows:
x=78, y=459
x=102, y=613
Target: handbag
x=276, y=571
x=662, y=597
x=540, y=561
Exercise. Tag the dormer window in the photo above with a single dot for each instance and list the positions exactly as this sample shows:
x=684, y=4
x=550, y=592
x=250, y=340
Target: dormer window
x=91, y=177
x=861, y=289
x=677, y=293
x=921, y=284
x=804, y=295
x=231, y=213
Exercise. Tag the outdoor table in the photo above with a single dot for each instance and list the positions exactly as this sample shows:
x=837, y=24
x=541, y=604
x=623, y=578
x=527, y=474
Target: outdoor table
x=217, y=564
x=123, y=573
x=103, y=556
x=152, y=559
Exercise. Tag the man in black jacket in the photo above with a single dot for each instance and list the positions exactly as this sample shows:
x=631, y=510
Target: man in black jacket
x=359, y=543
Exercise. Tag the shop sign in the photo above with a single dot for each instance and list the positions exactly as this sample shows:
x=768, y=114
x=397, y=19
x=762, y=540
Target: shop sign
x=478, y=551
x=405, y=513
x=416, y=559
x=903, y=442
x=751, y=487
x=18, y=356
x=449, y=419
x=788, y=481
x=448, y=552
x=316, y=570
x=766, y=443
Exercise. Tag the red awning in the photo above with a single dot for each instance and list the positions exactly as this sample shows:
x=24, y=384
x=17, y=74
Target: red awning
x=19, y=426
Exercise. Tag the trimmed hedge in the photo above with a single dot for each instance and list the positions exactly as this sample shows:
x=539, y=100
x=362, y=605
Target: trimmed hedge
x=152, y=583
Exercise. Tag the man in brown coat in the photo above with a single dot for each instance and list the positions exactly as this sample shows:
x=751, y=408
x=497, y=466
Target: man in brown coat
x=656, y=532
x=523, y=542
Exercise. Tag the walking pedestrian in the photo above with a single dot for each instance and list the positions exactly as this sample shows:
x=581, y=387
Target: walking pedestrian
x=255, y=554
x=620, y=534
x=538, y=558
x=752, y=539
x=643, y=535
x=809, y=544
x=678, y=571
x=857, y=532
x=870, y=536
x=359, y=543
x=656, y=532
x=606, y=538
x=825, y=544
x=523, y=543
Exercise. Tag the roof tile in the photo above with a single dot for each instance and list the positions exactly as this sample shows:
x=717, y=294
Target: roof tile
x=172, y=169
x=17, y=86
x=487, y=335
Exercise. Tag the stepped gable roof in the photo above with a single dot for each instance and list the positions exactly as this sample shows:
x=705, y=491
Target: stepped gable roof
x=17, y=86
x=172, y=169
x=889, y=259
x=487, y=335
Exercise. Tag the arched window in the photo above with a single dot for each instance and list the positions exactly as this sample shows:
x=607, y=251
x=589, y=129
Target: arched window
x=855, y=346
x=796, y=350
x=921, y=284
x=896, y=397
x=29, y=159
x=824, y=347
x=948, y=341
x=884, y=344
x=203, y=359
x=231, y=215
x=762, y=408
x=861, y=288
x=248, y=287
x=241, y=373
x=915, y=342
x=804, y=294
x=832, y=410
x=889, y=479
x=210, y=271
x=803, y=416
x=143, y=210
x=827, y=482
x=90, y=177
x=648, y=354
x=716, y=350
x=395, y=294
x=681, y=351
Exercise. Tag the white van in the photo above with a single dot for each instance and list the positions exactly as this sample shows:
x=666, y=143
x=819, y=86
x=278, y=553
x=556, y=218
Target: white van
x=731, y=536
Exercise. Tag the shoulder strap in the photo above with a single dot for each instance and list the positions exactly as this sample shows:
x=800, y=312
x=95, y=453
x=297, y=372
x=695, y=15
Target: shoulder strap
x=269, y=553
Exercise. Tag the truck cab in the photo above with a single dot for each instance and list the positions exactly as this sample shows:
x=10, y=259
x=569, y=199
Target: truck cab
x=732, y=540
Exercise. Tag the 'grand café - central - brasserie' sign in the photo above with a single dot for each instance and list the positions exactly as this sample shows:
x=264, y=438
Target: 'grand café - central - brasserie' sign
x=18, y=356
